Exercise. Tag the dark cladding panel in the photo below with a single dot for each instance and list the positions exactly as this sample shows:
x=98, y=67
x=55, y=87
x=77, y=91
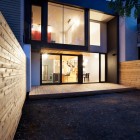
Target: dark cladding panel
x=112, y=55
x=13, y=12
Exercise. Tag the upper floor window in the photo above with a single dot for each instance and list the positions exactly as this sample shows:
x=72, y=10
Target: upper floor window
x=36, y=23
x=65, y=24
x=94, y=33
x=95, y=29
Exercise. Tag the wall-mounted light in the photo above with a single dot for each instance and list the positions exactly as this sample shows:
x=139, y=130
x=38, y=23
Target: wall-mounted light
x=45, y=56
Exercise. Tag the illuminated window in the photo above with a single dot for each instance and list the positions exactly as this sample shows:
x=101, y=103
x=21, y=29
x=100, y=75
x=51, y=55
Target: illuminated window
x=67, y=27
x=95, y=33
x=36, y=23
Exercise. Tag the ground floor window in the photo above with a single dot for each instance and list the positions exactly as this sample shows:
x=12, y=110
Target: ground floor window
x=69, y=69
x=91, y=67
x=50, y=68
x=62, y=68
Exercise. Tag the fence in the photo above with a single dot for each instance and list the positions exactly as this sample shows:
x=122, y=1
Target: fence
x=12, y=81
x=130, y=73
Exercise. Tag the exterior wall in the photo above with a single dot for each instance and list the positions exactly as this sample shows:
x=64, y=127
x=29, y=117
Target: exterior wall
x=27, y=50
x=35, y=68
x=12, y=81
x=130, y=73
x=128, y=39
x=13, y=12
x=112, y=55
x=103, y=47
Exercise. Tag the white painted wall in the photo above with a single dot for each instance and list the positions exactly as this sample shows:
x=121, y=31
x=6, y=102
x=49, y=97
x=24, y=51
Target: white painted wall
x=27, y=51
x=35, y=69
x=103, y=34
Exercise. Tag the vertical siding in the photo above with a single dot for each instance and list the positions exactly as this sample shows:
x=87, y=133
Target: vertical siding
x=13, y=13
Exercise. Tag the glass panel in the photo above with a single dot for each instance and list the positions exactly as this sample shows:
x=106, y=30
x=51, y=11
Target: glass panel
x=36, y=23
x=102, y=67
x=67, y=27
x=73, y=26
x=50, y=68
x=69, y=69
x=55, y=23
x=91, y=68
x=95, y=33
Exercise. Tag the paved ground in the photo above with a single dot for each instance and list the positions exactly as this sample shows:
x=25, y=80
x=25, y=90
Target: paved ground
x=100, y=117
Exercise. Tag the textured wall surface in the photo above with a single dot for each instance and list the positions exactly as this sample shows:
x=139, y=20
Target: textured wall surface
x=130, y=73
x=13, y=11
x=12, y=81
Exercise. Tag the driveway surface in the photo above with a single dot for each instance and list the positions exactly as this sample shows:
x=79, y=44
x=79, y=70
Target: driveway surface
x=113, y=116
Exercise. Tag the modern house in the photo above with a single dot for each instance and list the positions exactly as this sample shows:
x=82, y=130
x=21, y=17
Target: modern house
x=72, y=41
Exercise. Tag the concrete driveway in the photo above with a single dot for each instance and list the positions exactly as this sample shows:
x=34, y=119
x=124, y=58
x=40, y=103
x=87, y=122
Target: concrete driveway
x=113, y=116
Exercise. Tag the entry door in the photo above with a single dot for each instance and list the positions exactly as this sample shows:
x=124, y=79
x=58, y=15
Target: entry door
x=69, y=69
x=50, y=68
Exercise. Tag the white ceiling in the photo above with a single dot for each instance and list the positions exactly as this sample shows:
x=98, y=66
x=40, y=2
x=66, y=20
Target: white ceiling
x=98, y=16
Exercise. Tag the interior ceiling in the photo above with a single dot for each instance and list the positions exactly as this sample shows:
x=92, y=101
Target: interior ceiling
x=94, y=15
x=52, y=51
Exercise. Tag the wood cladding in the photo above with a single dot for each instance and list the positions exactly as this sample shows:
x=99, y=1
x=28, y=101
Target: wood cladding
x=12, y=81
x=130, y=73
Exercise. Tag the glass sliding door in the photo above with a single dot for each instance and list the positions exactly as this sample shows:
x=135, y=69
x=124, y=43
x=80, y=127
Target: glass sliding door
x=69, y=69
x=91, y=68
x=50, y=68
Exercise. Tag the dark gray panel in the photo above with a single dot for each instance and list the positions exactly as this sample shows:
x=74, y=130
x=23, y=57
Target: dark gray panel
x=12, y=11
x=112, y=55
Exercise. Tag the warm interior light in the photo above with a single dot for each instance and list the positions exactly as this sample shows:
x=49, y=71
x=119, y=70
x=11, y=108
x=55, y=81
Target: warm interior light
x=36, y=27
x=77, y=22
x=96, y=55
x=45, y=56
x=85, y=62
x=49, y=29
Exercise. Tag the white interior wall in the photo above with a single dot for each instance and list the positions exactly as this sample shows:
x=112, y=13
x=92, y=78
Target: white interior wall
x=103, y=34
x=92, y=67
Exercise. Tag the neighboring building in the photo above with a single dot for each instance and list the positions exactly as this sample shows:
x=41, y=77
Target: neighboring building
x=73, y=41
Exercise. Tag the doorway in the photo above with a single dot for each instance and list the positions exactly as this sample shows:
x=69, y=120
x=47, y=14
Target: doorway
x=59, y=68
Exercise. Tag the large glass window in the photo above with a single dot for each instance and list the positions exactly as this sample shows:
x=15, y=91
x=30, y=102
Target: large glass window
x=50, y=68
x=36, y=23
x=69, y=69
x=91, y=67
x=95, y=33
x=103, y=67
x=55, y=23
x=65, y=24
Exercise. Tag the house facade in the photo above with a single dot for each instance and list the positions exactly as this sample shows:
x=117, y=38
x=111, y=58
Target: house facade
x=72, y=41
